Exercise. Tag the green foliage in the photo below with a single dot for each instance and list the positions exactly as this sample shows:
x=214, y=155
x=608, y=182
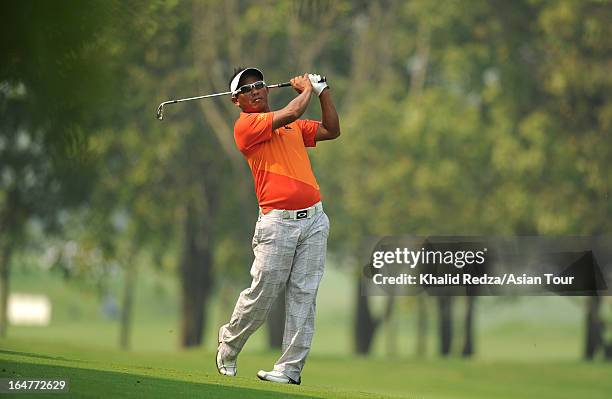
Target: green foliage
x=500, y=127
x=53, y=85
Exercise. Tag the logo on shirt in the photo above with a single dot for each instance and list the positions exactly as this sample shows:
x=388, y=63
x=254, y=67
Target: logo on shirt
x=261, y=117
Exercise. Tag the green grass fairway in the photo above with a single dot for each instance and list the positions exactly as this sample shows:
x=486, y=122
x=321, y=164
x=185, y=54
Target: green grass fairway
x=97, y=372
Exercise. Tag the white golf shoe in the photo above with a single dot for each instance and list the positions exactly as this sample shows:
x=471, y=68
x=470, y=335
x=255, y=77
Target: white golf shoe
x=277, y=376
x=223, y=366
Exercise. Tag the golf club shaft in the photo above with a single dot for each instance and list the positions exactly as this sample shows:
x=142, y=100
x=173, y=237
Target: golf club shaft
x=160, y=109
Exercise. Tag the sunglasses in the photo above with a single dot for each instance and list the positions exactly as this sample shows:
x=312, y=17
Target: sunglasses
x=247, y=88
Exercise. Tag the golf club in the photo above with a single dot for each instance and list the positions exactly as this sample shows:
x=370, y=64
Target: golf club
x=160, y=109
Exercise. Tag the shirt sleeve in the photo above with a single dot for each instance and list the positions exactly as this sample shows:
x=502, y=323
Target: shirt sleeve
x=252, y=129
x=309, y=131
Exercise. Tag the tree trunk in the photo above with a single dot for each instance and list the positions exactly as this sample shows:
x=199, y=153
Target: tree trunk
x=276, y=322
x=11, y=223
x=468, y=344
x=131, y=276
x=593, y=328
x=445, y=324
x=392, y=330
x=608, y=351
x=365, y=325
x=196, y=275
x=5, y=259
x=421, y=338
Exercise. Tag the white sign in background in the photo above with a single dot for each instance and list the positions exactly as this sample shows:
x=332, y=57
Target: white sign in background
x=29, y=310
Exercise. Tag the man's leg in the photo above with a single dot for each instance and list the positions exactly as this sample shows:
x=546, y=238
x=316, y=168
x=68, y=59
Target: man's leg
x=274, y=246
x=300, y=297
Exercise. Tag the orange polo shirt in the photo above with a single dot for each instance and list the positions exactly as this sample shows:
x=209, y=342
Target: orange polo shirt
x=278, y=160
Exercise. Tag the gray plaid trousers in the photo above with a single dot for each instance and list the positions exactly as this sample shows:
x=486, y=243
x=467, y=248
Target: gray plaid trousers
x=290, y=254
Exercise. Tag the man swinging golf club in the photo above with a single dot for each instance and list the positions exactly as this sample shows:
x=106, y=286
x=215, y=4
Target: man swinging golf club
x=290, y=239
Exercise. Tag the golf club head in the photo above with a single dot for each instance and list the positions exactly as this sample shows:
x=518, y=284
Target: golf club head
x=160, y=112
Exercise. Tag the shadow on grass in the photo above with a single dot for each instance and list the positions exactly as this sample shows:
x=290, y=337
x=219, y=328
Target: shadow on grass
x=38, y=356
x=104, y=384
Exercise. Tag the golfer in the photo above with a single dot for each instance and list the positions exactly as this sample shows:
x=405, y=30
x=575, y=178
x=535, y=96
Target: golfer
x=290, y=239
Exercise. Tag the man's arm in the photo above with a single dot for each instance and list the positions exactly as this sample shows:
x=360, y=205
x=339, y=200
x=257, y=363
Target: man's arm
x=297, y=106
x=329, y=128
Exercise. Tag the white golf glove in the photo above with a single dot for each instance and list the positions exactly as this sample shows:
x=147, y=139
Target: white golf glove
x=318, y=87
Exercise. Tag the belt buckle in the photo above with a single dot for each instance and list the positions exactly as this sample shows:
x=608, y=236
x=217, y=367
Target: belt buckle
x=301, y=214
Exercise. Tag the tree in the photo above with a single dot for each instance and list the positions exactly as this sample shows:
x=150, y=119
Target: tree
x=53, y=84
x=492, y=127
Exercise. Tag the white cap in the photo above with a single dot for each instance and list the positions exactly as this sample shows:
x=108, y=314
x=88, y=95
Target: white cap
x=234, y=83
